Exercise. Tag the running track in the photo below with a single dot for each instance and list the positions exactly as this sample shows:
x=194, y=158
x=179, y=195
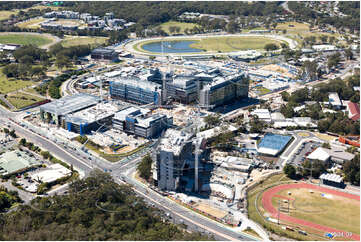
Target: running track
x=267, y=204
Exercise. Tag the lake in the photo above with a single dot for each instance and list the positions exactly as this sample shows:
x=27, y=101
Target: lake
x=175, y=46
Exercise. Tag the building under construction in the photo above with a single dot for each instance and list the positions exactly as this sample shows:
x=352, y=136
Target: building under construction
x=135, y=90
x=223, y=90
x=174, y=153
x=91, y=119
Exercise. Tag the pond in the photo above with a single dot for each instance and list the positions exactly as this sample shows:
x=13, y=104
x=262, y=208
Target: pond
x=171, y=47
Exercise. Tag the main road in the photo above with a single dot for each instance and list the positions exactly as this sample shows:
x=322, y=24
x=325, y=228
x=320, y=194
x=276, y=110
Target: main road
x=124, y=171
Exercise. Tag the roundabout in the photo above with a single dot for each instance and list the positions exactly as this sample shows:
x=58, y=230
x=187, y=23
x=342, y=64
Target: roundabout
x=198, y=45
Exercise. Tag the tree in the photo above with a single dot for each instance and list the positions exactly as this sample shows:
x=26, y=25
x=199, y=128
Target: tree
x=270, y=47
x=349, y=54
x=22, y=142
x=232, y=27
x=172, y=29
x=352, y=170
x=318, y=167
x=284, y=31
x=13, y=134
x=144, y=167
x=63, y=62
x=37, y=71
x=257, y=125
x=212, y=120
x=290, y=171
x=326, y=145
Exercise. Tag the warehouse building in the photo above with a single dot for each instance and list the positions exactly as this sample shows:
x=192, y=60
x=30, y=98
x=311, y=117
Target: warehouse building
x=104, y=54
x=91, y=119
x=273, y=144
x=14, y=162
x=55, y=111
x=224, y=90
x=135, y=90
x=141, y=122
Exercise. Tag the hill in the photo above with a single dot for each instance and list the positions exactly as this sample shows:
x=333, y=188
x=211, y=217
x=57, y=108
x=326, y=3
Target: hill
x=96, y=208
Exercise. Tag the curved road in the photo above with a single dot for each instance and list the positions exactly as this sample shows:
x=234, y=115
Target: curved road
x=193, y=220
x=130, y=45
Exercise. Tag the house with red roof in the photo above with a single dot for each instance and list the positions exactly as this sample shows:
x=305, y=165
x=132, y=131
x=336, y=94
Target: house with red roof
x=353, y=110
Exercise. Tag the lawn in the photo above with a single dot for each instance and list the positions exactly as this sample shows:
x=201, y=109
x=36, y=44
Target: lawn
x=219, y=44
x=300, y=29
x=24, y=39
x=21, y=100
x=6, y=14
x=94, y=41
x=9, y=85
x=321, y=210
x=33, y=23
x=262, y=90
x=228, y=44
x=181, y=25
x=253, y=214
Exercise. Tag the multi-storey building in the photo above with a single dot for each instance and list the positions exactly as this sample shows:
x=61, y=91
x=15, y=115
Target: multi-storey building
x=141, y=122
x=174, y=149
x=224, y=90
x=135, y=90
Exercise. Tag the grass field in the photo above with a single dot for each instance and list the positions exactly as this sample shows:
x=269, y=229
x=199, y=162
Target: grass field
x=24, y=39
x=31, y=24
x=322, y=210
x=181, y=25
x=6, y=14
x=228, y=44
x=94, y=41
x=21, y=100
x=220, y=44
x=10, y=85
x=255, y=194
x=262, y=90
x=300, y=29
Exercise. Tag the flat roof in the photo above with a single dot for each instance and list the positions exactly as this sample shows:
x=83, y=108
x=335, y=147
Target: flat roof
x=272, y=143
x=70, y=104
x=319, y=154
x=52, y=173
x=331, y=177
x=92, y=114
x=173, y=141
x=136, y=82
x=13, y=161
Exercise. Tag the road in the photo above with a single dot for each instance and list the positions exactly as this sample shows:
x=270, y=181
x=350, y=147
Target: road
x=125, y=170
x=130, y=45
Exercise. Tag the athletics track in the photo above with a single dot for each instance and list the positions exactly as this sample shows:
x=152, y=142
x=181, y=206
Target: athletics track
x=267, y=205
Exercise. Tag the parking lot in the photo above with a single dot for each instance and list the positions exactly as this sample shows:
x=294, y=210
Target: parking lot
x=303, y=151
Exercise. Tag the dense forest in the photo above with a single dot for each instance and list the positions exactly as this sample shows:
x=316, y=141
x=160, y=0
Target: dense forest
x=10, y=5
x=96, y=208
x=149, y=12
x=350, y=8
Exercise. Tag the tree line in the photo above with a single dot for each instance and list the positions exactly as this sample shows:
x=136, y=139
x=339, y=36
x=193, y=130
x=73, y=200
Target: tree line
x=96, y=208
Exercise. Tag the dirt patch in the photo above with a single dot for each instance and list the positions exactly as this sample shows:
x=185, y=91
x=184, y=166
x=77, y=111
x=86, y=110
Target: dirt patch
x=211, y=210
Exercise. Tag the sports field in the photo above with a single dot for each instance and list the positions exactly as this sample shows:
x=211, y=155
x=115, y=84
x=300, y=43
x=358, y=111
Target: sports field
x=314, y=208
x=181, y=25
x=228, y=44
x=24, y=39
x=74, y=41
